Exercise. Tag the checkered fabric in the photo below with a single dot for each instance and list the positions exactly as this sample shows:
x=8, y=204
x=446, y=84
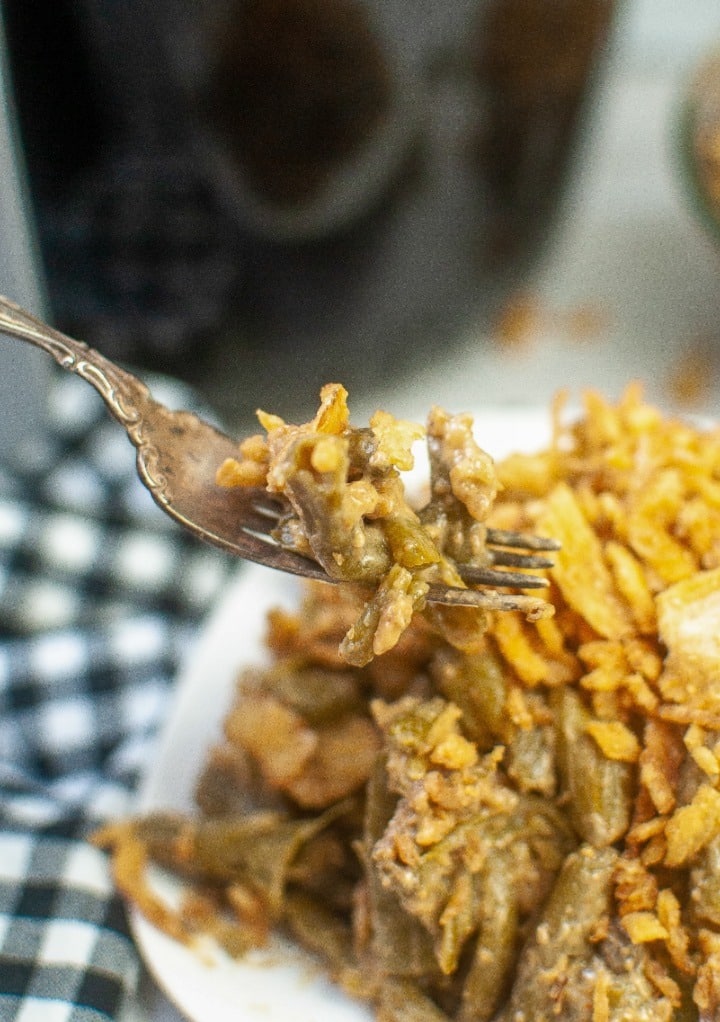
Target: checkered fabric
x=100, y=595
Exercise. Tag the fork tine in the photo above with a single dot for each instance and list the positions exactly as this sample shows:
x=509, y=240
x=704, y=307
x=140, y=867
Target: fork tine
x=521, y=540
x=487, y=577
x=274, y=507
x=265, y=509
x=269, y=507
x=509, y=559
x=489, y=599
x=262, y=548
x=254, y=529
x=255, y=521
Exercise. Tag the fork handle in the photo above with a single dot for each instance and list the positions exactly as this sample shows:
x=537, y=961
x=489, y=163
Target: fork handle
x=126, y=397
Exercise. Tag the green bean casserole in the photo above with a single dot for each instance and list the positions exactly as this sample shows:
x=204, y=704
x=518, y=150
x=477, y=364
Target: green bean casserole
x=486, y=818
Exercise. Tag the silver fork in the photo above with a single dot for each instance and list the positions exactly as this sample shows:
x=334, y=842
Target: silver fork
x=177, y=458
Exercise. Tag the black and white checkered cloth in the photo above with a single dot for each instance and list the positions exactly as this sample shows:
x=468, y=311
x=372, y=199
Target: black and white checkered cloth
x=100, y=594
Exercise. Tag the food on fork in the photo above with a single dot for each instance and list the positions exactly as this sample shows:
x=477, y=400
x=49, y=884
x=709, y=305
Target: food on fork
x=178, y=454
x=527, y=830
x=348, y=510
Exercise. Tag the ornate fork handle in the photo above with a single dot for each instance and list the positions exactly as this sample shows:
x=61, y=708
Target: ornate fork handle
x=177, y=452
x=126, y=397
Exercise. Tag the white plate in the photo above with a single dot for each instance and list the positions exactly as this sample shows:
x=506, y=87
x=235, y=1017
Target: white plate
x=280, y=983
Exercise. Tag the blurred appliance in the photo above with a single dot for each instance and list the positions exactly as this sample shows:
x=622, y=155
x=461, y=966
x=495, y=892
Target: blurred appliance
x=357, y=188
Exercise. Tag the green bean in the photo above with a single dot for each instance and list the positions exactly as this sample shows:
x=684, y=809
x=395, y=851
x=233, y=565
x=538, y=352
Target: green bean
x=530, y=760
x=400, y=944
x=399, y=586
x=410, y=543
x=706, y=885
x=532, y=840
x=317, y=497
x=562, y=943
x=475, y=683
x=574, y=944
x=599, y=789
x=401, y=1000
x=318, y=694
x=496, y=945
x=225, y=849
x=255, y=849
x=319, y=930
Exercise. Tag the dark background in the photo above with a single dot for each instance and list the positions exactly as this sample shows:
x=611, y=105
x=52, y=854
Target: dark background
x=149, y=257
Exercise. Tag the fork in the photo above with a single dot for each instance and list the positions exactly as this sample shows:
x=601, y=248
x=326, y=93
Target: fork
x=178, y=454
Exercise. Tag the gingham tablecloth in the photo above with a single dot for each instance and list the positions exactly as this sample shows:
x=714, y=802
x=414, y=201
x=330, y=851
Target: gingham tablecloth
x=100, y=595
